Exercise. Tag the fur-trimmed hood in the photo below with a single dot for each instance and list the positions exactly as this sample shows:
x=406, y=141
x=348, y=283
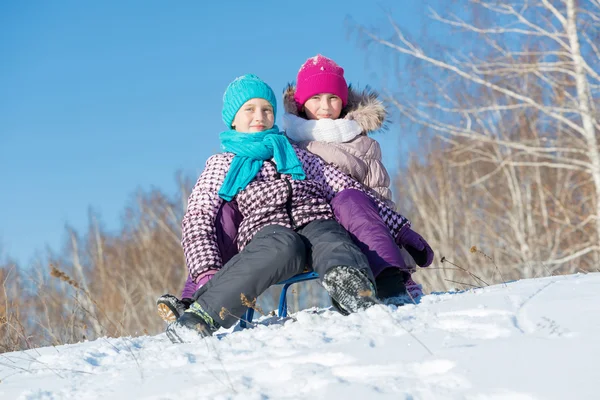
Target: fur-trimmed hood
x=364, y=107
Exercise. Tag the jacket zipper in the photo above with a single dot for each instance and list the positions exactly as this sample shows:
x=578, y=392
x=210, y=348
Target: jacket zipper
x=288, y=202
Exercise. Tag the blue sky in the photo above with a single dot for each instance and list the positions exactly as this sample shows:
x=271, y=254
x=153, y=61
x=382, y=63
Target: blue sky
x=99, y=99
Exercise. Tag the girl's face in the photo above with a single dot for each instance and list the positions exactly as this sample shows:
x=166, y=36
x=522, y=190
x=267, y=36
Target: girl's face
x=324, y=105
x=256, y=115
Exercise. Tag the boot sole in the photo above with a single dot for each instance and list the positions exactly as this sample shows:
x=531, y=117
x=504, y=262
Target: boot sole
x=355, y=292
x=165, y=312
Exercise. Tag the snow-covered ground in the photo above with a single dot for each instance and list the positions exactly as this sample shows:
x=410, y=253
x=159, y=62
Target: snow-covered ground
x=532, y=339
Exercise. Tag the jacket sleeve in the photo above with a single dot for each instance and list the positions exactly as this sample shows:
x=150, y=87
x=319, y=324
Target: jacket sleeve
x=198, y=236
x=338, y=181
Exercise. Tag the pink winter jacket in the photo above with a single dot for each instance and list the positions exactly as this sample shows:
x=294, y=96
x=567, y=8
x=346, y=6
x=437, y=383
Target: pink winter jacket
x=361, y=157
x=271, y=198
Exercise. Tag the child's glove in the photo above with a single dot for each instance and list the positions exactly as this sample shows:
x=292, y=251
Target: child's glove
x=416, y=246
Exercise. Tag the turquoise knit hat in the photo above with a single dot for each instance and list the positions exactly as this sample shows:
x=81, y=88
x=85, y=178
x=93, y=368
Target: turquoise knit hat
x=241, y=90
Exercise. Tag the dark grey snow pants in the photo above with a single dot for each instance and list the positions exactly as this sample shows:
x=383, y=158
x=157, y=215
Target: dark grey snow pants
x=274, y=254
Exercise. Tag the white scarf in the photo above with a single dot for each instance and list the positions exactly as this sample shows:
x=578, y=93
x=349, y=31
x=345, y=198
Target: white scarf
x=322, y=130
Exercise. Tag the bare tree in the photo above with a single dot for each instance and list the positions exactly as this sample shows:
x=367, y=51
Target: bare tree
x=516, y=109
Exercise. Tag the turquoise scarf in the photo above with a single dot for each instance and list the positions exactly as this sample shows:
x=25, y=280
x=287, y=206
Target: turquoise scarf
x=250, y=150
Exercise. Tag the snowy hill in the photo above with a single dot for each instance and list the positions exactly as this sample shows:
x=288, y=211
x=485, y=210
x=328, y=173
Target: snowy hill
x=532, y=339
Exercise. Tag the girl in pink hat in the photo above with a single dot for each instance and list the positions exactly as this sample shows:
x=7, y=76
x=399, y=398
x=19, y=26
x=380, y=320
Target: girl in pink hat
x=330, y=119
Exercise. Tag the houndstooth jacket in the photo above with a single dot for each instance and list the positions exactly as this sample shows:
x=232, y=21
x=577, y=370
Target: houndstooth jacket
x=270, y=199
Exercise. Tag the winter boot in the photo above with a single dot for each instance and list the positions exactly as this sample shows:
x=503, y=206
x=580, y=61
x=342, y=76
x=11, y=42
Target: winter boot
x=391, y=287
x=193, y=323
x=170, y=307
x=350, y=289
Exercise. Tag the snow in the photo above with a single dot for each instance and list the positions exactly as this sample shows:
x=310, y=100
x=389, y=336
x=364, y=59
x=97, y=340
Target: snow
x=531, y=339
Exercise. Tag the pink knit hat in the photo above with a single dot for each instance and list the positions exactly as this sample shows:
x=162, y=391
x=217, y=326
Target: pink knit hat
x=318, y=75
